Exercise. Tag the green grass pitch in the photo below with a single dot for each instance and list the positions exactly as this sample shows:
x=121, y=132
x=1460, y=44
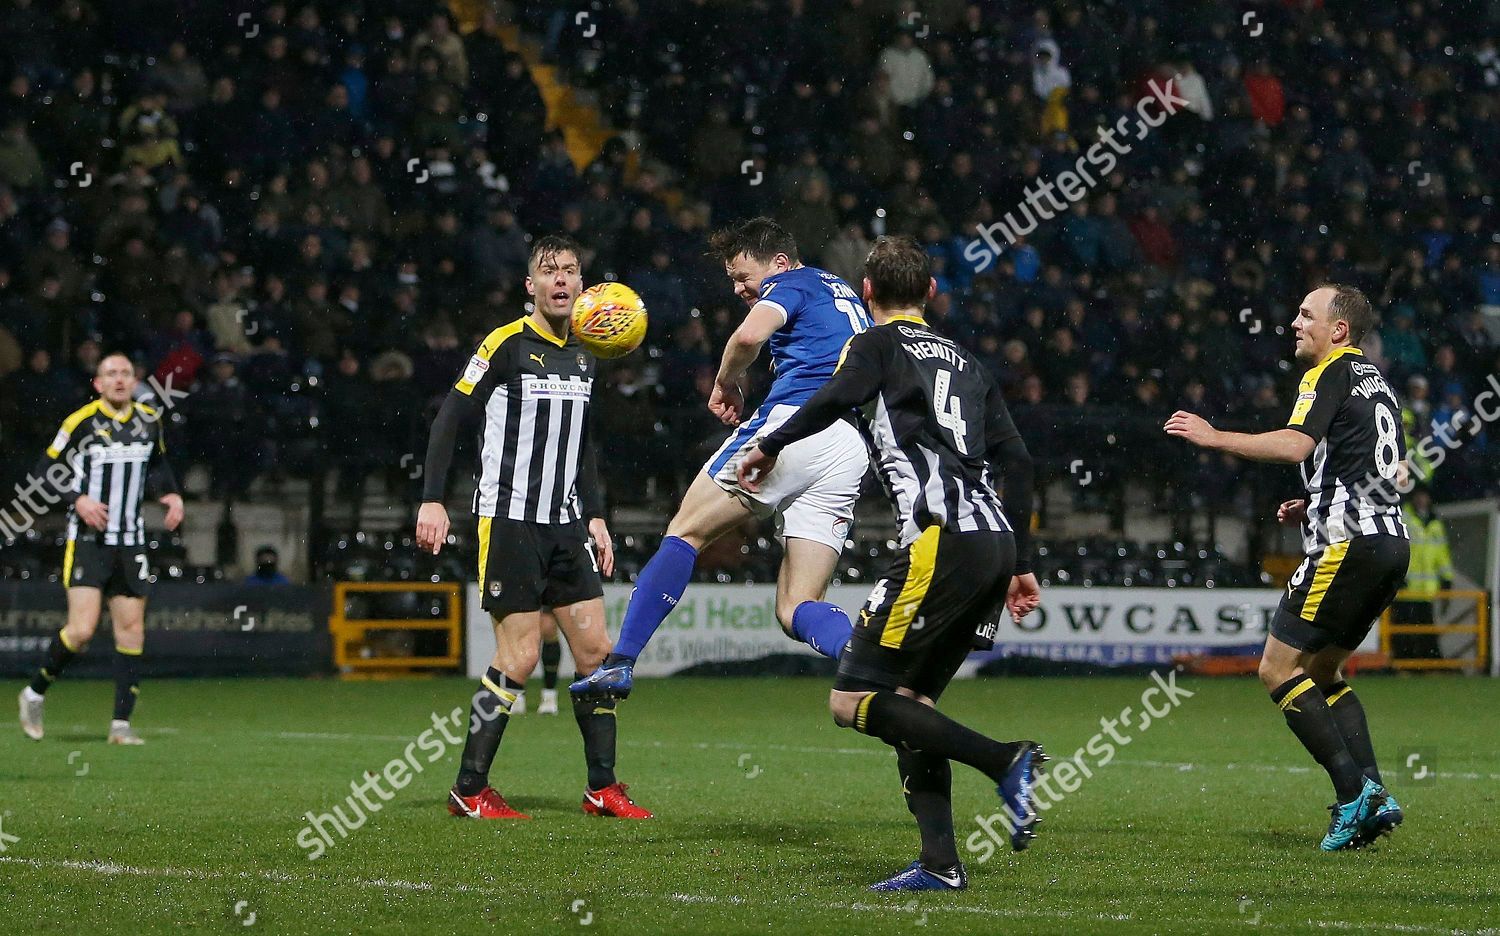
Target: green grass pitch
x=771, y=820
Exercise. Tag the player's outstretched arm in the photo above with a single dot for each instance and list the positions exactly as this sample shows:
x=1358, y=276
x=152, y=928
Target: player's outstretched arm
x=727, y=402
x=591, y=496
x=1281, y=446
x=854, y=384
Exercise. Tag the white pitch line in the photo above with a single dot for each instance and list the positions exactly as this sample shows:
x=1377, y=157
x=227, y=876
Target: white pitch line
x=335, y=736
x=1207, y=924
x=752, y=747
x=1184, y=766
x=113, y=869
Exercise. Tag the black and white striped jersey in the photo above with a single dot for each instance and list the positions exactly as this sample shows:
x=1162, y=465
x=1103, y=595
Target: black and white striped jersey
x=111, y=456
x=1345, y=405
x=535, y=459
x=934, y=421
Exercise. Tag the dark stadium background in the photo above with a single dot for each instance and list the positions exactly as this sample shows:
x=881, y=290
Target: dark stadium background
x=299, y=219
x=306, y=215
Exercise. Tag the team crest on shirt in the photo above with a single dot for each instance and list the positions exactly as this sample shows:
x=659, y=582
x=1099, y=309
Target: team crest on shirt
x=583, y=362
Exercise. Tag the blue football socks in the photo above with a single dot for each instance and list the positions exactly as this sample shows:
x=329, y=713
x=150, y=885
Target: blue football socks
x=657, y=591
x=823, y=626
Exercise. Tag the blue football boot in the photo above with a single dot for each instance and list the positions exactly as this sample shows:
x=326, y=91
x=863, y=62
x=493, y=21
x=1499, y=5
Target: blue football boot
x=1017, y=795
x=920, y=878
x=612, y=681
x=1383, y=822
x=1349, y=817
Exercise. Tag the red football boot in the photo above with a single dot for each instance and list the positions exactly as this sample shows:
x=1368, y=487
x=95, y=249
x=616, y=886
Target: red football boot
x=486, y=804
x=612, y=801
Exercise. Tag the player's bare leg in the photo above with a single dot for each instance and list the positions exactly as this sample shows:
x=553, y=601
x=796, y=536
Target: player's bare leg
x=801, y=584
x=517, y=645
x=551, y=659
x=84, y=607
x=582, y=625
x=1287, y=673
x=84, y=603
x=128, y=617
x=707, y=512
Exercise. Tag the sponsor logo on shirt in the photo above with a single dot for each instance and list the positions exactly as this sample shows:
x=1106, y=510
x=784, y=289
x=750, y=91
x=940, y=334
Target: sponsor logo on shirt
x=127, y=452
x=1304, y=405
x=476, y=369
x=546, y=388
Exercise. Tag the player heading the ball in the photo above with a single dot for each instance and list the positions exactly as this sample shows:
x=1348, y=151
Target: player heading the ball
x=807, y=315
x=940, y=434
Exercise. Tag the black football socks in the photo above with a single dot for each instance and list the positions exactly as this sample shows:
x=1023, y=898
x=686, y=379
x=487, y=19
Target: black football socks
x=1307, y=714
x=1349, y=715
x=489, y=711
x=597, y=723
x=551, y=657
x=127, y=682
x=59, y=655
x=927, y=784
x=903, y=722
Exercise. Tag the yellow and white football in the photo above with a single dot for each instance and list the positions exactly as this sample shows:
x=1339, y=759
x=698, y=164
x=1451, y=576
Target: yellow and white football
x=609, y=319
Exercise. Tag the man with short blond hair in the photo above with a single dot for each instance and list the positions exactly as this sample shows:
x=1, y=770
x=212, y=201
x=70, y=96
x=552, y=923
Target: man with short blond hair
x=1345, y=430
x=109, y=453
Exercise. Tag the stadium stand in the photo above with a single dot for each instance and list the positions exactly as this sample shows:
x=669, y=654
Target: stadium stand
x=306, y=216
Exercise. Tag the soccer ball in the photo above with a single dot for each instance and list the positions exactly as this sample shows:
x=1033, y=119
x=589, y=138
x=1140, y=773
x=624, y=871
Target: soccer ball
x=610, y=320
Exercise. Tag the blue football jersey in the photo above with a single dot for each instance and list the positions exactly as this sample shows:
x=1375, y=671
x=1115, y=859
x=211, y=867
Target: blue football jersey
x=822, y=313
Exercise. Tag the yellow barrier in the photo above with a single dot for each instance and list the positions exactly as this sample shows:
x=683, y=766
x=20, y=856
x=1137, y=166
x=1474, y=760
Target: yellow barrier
x=1480, y=630
x=351, y=651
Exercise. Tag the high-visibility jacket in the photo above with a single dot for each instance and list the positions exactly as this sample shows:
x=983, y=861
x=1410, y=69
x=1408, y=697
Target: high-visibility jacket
x=1420, y=464
x=1431, y=563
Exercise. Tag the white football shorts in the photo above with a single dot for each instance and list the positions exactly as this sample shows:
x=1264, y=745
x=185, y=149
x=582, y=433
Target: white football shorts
x=814, y=485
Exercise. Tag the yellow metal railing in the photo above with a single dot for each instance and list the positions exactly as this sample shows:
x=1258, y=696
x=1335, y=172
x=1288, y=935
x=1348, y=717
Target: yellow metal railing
x=1479, y=629
x=352, y=652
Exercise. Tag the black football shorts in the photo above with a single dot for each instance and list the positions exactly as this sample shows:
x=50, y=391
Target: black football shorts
x=524, y=566
x=114, y=570
x=1338, y=592
x=919, y=622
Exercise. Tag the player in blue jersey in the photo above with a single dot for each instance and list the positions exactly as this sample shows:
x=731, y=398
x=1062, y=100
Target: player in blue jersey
x=808, y=316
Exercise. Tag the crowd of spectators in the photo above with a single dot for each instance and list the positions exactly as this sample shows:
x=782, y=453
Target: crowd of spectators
x=307, y=215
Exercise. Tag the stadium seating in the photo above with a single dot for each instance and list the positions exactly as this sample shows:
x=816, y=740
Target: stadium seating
x=307, y=224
